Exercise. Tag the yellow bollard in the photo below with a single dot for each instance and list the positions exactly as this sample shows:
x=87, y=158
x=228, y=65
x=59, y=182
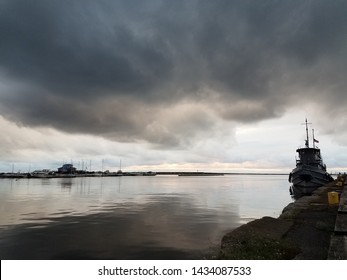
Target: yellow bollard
x=333, y=198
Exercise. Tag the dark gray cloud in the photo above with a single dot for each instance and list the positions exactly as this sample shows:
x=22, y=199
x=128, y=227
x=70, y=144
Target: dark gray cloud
x=113, y=67
x=71, y=51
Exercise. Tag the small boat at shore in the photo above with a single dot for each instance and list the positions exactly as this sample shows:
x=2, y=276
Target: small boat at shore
x=310, y=172
x=44, y=173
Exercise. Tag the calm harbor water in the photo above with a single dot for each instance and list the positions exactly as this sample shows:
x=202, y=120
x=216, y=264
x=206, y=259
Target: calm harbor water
x=159, y=217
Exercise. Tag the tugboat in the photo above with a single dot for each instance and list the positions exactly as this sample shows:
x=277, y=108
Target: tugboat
x=310, y=171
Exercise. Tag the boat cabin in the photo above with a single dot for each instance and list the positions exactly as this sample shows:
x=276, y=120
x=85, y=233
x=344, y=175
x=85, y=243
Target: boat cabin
x=309, y=156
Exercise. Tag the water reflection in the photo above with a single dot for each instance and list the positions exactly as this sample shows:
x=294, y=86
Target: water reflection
x=127, y=218
x=119, y=232
x=66, y=183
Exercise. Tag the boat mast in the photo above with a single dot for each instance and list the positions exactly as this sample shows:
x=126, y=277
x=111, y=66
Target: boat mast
x=307, y=139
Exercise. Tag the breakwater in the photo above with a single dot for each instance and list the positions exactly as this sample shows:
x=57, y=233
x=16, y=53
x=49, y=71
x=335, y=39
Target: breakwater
x=306, y=229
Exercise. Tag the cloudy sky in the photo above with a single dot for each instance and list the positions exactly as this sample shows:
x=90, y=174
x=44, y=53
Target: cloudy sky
x=171, y=85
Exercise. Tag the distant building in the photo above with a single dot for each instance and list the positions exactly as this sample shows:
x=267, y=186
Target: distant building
x=67, y=169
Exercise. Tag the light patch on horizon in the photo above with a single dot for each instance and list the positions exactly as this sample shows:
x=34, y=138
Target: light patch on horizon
x=266, y=147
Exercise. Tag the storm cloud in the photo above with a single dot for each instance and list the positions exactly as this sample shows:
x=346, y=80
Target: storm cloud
x=165, y=72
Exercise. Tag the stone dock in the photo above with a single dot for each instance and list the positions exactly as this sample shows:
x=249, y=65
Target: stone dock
x=338, y=244
x=311, y=228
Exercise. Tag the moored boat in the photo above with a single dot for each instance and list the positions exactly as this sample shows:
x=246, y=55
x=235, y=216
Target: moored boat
x=44, y=173
x=310, y=172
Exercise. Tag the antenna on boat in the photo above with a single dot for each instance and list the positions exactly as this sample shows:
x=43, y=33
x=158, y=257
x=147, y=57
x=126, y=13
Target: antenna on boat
x=307, y=139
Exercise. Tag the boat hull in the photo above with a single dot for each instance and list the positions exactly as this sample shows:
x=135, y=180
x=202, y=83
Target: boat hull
x=306, y=179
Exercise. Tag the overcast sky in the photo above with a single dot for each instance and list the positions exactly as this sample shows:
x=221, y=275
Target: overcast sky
x=171, y=85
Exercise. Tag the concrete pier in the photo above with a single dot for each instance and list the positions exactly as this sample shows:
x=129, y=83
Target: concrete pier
x=338, y=243
x=310, y=228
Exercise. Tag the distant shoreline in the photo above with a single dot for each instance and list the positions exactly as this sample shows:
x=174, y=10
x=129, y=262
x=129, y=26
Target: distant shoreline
x=19, y=175
x=215, y=173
